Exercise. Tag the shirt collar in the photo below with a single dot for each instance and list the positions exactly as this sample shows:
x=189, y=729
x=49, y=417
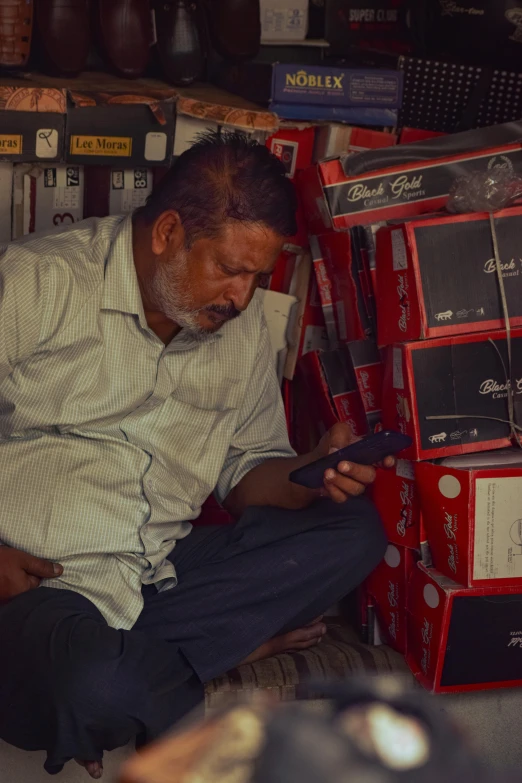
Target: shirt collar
x=121, y=290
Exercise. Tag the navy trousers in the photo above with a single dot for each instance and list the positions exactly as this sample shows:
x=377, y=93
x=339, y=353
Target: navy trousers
x=73, y=686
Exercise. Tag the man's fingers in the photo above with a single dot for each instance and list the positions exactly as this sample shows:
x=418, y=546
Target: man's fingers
x=335, y=494
x=33, y=582
x=389, y=462
x=44, y=569
x=365, y=474
x=339, y=487
x=341, y=435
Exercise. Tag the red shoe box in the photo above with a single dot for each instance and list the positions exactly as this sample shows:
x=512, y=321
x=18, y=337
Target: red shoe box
x=364, y=358
x=350, y=308
x=324, y=287
x=338, y=194
x=293, y=146
x=329, y=393
x=453, y=376
x=396, y=496
x=462, y=639
x=472, y=511
x=388, y=587
x=438, y=277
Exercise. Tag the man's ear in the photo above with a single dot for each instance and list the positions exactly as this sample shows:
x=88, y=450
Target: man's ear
x=167, y=233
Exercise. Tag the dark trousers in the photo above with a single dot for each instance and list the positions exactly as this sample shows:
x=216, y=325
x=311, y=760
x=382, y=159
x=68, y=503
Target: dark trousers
x=73, y=686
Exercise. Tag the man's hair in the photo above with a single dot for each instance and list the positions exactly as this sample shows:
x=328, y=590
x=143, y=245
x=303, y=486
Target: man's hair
x=225, y=177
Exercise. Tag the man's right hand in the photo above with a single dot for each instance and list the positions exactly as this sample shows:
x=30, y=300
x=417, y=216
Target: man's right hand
x=20, y=572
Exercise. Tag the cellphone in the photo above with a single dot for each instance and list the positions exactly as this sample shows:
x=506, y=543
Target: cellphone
x=367, y=451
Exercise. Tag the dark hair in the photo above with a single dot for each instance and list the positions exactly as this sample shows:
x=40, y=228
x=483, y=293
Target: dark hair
x=225, y=176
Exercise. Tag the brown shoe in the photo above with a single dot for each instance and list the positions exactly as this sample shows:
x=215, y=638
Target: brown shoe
x=64, y=34
x=124, y=33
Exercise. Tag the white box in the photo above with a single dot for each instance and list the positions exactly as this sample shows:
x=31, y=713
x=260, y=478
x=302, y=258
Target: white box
x=284, y=20
x=187, y=131
x=46, y=197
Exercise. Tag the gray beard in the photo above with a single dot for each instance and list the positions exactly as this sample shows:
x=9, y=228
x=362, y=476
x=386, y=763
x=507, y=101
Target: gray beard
x=168, y=291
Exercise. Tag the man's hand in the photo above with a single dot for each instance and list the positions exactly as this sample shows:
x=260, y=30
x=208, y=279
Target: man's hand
x=20, y=572
x=350, y=479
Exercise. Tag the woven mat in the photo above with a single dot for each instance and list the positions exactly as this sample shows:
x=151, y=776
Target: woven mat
x=285, y=677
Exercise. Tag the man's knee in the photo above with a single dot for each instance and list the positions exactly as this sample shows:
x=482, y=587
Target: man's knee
x=358, y=522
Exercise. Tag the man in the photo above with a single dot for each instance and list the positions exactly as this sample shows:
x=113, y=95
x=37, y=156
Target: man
x=136, y=378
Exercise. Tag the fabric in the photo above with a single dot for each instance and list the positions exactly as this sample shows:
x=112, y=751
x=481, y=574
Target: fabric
x=73, y=686
x=299, y=674
x=110, y=441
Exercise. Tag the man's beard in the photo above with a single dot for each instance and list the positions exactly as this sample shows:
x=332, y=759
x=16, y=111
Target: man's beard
x=170, y=292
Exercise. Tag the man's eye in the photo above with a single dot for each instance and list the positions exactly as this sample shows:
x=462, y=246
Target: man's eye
x=229, y=272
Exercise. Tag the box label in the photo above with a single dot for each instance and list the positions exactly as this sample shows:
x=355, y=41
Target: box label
x=108, y=146
x=498, y=528
x=413, y=185
x=11, y=144
x=399, y=253
x=398, y=377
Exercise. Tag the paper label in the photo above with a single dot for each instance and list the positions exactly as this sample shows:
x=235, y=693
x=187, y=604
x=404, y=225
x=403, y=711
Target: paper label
x=66, y=183
x=498, y=528
x=400, y=256
x=109, y=146
x=155, y=146
x=11, y=144
x=315, y=339
x=398, y=378
x=130, y=189
x=405, y=469
x=46, y=143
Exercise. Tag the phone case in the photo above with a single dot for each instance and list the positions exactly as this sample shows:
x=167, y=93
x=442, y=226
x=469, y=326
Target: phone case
x=367, y=451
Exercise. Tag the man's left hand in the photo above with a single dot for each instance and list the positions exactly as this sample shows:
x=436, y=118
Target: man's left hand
x=349, y=479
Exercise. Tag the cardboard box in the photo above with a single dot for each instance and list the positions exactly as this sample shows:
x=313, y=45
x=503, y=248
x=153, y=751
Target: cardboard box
x=114, y=191
x=351, y=315
x=307, y=329
x=284, y=21
x=395, y=495
x=32, y=119
x=339, y=139
x=334, y=199
x=294, y=148
x=278, y=309
x=462, y=639
x=324, y=288
x=336, y=87
x=354, y=115
x=332, y=394
x=452, y=376
x=187, y=131
x=439, y=277
x=130, y=128
x=365, y=360
x=388, y=586
x=371, y=26
x=6, y=199
x=46, y=197
x=472, y=510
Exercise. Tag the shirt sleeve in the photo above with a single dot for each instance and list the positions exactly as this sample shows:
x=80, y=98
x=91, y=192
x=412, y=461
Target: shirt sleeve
x=23, y=291
x=261, y=432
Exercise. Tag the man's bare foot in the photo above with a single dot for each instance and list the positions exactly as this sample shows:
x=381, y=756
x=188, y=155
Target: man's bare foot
x=94, y=768
x=302, y=639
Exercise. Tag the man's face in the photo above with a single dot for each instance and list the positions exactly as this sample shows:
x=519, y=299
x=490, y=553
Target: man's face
x=202, y=288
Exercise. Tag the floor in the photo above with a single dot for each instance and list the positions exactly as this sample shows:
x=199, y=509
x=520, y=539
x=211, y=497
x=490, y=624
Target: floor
x=490, y=721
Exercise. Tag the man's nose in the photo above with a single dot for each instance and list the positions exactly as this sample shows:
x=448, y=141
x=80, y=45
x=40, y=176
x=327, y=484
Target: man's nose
x=242, y=292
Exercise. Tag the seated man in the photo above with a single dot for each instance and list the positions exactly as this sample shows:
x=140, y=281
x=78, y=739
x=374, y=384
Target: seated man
x=136, y=378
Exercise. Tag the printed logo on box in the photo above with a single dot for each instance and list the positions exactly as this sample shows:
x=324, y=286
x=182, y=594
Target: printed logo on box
x=286, y=151
x=312, y=80
x=50, y=178
x=118, y=180
x=11, y=144
x=140, y=179
x=111, y=146
x=73, y=176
